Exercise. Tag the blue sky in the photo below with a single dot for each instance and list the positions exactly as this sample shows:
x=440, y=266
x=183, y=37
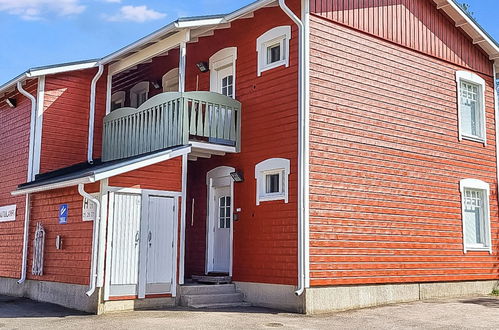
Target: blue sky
x=43, y=32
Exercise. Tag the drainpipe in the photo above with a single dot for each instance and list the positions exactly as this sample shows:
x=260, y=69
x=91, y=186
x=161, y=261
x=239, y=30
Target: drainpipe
x=95, y=239
x=303, y=145
x=496, y=108
x=30, y=177
x=91, y=119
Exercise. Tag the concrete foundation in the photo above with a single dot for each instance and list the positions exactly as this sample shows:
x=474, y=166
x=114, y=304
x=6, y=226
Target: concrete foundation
x=271, y=296
x=332, y=299
x=130, y=305
x=63, y=294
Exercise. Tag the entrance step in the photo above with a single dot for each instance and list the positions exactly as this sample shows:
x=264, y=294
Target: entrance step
x=211, y=296
x=216, y=279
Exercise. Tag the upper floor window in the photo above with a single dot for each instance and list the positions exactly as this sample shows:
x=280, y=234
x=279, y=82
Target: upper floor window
x=471, y=105
x=117, y=100
x=273, y=48
x=170, y=81
x=475, y=213
x=222, y=72
x=139, y=94
x=272, y=180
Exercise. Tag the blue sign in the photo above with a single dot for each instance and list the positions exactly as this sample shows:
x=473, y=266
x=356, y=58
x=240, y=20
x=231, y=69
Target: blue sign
x=63, y=214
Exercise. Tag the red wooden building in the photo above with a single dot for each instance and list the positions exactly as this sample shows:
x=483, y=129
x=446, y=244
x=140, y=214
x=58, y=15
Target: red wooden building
x=310, y=156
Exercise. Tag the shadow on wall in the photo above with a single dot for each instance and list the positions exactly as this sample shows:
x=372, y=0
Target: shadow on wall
x=13, y=307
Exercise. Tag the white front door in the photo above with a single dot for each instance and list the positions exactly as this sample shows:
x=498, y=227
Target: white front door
x=124, y=238
x=160, y=252
x=222, y=222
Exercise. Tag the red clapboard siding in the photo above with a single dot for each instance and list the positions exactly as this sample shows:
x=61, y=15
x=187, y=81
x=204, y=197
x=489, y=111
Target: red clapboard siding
x=72, y=263
x=265, y=236
x=386, y=163
x=65, y=118
x=163, y=176
x=415, y=24
x=14, y=149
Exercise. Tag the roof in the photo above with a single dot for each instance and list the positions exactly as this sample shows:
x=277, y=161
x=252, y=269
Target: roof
x=88, y=173
x=450, y=7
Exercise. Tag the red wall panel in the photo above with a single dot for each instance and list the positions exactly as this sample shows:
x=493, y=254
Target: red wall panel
x=265, y=237
x=386, y=163
x=14, y=146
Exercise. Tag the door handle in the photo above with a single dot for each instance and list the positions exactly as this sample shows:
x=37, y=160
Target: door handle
x=149, y=238
x=137, y=238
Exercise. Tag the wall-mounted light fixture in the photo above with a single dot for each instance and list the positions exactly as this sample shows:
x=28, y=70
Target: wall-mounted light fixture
x=203, y=66
x=11, y=102
x=237, y=176
x=156, y=84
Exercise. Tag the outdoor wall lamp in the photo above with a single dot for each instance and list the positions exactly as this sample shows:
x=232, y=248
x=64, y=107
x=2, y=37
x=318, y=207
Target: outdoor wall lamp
x=11, y=102
x=203, y=66
x=237, y=176
x=156, y=84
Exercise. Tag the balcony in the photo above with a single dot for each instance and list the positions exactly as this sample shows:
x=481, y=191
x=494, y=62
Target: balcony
x=208, y=120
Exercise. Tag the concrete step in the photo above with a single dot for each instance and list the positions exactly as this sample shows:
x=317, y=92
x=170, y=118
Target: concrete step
x=207, y=289
x=198, y=299
x=222, y=305
x=215, y=279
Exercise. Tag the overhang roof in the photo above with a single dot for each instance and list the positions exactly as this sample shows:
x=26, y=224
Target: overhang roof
x=89, y=173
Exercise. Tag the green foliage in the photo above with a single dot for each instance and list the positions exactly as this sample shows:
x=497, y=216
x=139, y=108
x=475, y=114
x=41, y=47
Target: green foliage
x=467, y=8
x=495, y=292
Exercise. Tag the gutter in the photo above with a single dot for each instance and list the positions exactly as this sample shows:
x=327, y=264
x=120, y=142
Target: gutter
x=91, y=119
x=95, y=239
x=27, y=201
x=303, y=145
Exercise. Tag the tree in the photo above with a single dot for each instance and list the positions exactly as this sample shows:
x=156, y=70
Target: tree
x=467, y=9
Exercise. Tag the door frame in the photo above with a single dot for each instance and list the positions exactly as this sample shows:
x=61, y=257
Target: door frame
x=218, y=177
x=145, y=193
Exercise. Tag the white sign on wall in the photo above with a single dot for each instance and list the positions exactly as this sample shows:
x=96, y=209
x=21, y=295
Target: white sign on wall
x=8, y=213
x=89, y=208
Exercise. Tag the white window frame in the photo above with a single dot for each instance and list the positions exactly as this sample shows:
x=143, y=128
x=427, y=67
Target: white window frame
x=485, y=188
x=137, y=90
x=220, y=60
x=271, y=166
x=279, y=34
x=470, y=77
x=118, y=97
x=171, y=78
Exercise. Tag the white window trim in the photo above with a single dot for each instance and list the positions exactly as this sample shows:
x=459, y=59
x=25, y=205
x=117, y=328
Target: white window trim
x=220, y=60
x=136, y=90
x=280, y=34
x=474, y=79
x=171, y=75
x=272, y=166
x=119, y=97
x=478, y=185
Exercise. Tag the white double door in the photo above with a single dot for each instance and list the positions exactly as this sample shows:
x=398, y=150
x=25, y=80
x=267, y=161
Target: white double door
x=142, y=258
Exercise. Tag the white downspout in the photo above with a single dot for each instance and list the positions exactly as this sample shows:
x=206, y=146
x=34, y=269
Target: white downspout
x=91, y=119
x=95, y=239
x=303, y=145
x=496, y=112
x=27, y=208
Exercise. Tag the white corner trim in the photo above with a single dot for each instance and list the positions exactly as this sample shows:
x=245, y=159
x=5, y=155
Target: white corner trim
x=183, y=220
x=272, y=166
x=281, y=34
x=473, y=78
x=478, y=185
x=37, y=149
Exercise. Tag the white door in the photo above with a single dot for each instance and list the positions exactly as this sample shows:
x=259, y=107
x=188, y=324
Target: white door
x=221, y=224
x=125, y=236
x=160, y=238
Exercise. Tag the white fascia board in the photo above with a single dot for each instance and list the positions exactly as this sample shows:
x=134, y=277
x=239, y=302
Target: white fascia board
x=135, y=165
x=452, y=4
x=60, y=69
x=199, y=23
x=57, y=185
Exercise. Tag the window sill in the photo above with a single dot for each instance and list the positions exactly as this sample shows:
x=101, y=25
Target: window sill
x=271, y=198
x=272, y=66
x=477, y=249
x=473, y=138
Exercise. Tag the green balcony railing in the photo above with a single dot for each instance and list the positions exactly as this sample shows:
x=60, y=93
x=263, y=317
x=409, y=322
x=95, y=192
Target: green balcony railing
x=172, y=119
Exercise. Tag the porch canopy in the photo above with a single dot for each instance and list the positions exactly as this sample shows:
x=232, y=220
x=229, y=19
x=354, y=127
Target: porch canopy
x=89, y=173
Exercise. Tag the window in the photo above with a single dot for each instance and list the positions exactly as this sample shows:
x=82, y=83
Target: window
x=170, y=81
x=273, y=48
x=272, y=180
x=475, y=215
x=139, y=94
x=224, y=212
x=471, y=106
x=222, y=72
x=117, y=100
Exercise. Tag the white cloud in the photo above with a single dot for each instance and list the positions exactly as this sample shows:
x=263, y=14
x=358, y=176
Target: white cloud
x=138, y=14
x=113, y=1
x=38, y=9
